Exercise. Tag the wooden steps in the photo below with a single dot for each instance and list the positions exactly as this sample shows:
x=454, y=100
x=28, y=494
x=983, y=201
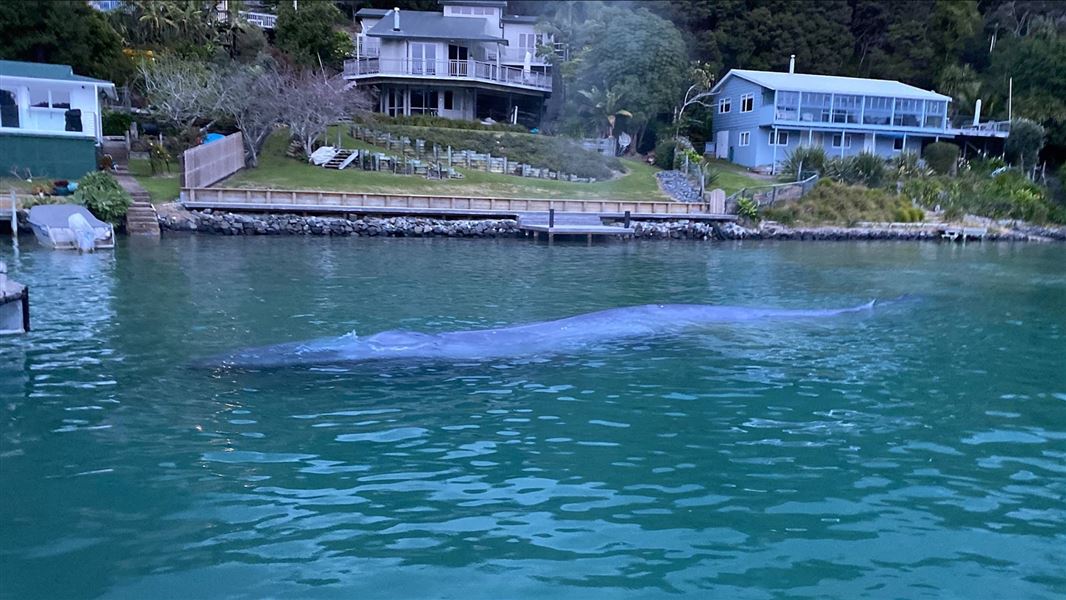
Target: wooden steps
x=341, y=159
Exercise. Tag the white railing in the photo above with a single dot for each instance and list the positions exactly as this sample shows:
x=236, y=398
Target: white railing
x=518, y=55
x=52, y=121
x=447, y=69
x=261, y=20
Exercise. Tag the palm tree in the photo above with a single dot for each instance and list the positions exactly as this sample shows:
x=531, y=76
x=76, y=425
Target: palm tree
x=606, y=105
x=962, y=84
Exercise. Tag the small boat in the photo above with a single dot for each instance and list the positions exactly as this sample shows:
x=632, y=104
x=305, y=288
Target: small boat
x=70, y=227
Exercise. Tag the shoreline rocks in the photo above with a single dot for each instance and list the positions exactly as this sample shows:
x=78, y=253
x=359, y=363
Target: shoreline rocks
x=678, y=186
x=175, y=218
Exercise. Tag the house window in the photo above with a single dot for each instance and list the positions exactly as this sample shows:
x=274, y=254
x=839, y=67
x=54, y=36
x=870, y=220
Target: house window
x=815, y=107
x=877, y=111
x=724, y=106
x=908, y=113
x=423, y=102
x=788, y=106
x=782, y=138
x=897, y=144
x=745, y=138
x=846, y=108
x=423, y=58
x=9, y=109
x=530, y=41
x=934, y=113
x=38, y=98
x=837, y=141
x=60, y=99
x=747, y=103
x=449, y=99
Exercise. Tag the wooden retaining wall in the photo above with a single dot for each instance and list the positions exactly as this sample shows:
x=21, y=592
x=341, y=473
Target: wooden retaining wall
x=350, y=202
x=210, y=163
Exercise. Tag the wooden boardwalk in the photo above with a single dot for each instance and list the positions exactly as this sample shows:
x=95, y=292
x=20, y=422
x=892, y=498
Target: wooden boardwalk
x=571, y=224
x=302, y=201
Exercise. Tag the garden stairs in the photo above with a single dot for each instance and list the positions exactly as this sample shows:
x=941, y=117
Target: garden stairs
x=341, y=159
x=141, y=218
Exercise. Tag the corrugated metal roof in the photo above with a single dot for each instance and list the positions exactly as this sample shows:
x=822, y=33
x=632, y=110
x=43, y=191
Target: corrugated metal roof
x=372, y=12
x=31, y=70
x=416, y=24
x=804, y=82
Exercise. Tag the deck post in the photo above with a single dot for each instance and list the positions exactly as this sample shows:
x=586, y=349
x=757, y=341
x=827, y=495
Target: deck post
x=626, y=221
x=590, y=240
x=551, y=218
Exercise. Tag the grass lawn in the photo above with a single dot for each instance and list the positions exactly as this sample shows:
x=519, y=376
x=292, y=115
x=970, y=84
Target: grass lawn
x=732, y=178
x=162, y=188
x=276, y=171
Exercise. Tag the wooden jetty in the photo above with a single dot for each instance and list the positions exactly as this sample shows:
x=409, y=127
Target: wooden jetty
x=570, y=224
x=961, y=234
x=14, y=305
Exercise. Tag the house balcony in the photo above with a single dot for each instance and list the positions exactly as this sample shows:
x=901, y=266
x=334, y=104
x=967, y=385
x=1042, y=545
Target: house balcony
x=259, y=19
x=48, y=121
x=447, y=70
x=518, y=56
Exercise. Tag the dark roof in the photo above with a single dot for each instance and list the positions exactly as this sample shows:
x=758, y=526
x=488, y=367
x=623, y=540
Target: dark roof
x=496, y=3
x=519, y=19
x=421, y=25
x=372, y=12
x=30, y=70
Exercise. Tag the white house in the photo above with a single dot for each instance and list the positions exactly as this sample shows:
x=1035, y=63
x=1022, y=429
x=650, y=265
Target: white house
x=49, y=119
x=470, y=61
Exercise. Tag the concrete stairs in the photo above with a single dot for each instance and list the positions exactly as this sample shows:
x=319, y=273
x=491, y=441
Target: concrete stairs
x=141, y=218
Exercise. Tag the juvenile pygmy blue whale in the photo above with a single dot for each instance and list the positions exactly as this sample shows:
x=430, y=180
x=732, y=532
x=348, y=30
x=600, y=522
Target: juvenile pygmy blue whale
x=545, y=337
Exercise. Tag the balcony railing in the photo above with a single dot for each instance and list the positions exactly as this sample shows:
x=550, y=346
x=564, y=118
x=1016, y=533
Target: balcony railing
x=448, y=69
x=261, y=20
x=518, y=55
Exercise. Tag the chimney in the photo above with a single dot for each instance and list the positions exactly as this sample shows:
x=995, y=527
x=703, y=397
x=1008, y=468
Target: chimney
x=792, y=63
x=977, y=113
x=396, y=19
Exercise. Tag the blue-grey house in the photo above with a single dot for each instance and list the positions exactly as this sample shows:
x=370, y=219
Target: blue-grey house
x=761, y=116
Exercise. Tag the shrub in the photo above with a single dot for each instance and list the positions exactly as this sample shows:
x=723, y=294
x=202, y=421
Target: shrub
x=556, y=153
x=116, y=123
x=942, y=157
x=835, y=203
x=748, y=209
x=909, y=214
x=841, y=169
x=444, y=123
x=1024, y=143
x=103, y=196
x=664, y=154
x=870, y=169
x=907, y=164
x=808, y=159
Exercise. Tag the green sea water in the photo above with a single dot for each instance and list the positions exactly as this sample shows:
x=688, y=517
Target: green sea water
x=915, y=451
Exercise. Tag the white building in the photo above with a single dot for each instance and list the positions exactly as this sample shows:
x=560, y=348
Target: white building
x=49, y=119
x=470, y=61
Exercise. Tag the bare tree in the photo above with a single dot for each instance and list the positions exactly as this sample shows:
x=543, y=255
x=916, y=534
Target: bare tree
x=257, y=102
x=180, y=91
x=314, y=101
x=697, y=94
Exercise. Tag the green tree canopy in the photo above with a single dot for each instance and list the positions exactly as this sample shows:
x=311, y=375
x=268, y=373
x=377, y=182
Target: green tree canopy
x=306, y=33
x=69, y=33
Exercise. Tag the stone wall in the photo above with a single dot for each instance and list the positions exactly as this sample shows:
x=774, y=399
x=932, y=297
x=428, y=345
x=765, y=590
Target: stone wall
x=224, y=223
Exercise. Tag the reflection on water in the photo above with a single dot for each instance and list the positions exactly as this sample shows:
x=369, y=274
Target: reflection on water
x=918, y=451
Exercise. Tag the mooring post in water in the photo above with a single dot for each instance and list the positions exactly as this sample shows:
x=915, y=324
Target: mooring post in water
x=26, y=309
x=626, y=221
x=551, y=218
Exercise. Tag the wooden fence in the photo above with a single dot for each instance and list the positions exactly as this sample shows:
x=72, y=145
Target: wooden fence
x=210, y=163
x=350, y=202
